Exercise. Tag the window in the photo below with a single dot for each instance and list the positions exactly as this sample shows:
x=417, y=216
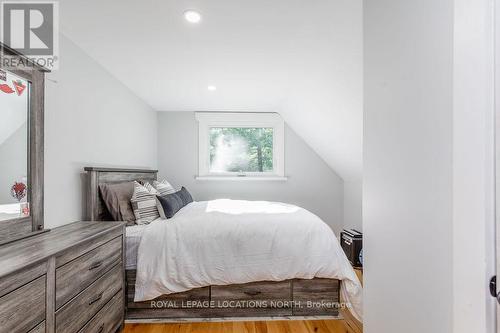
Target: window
x=241, y=149
x=243, y=145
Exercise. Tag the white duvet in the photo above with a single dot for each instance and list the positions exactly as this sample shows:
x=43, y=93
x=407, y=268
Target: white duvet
x=225, y=241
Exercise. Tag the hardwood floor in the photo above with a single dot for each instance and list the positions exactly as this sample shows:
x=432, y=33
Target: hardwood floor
x=286, y=326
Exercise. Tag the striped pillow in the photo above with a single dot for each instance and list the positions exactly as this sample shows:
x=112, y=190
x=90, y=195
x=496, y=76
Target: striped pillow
x=164, y=187
x=150, y=188
x=144, y=203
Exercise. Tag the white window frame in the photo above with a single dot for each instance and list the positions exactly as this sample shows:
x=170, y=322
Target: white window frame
x=207, y=120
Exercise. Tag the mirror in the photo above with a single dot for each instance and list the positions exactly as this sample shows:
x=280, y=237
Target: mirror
x=14, y=146
x=21, y=146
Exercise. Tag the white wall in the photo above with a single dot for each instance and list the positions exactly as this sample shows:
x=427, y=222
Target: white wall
x=428, y=166
x=312, y=184
x=408, y=155
x=353, y=201
x=473, y=167
x=90, y=119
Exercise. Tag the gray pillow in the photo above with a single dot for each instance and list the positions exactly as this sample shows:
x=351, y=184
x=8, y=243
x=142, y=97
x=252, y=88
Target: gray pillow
x=170, y=204
x=116, y=197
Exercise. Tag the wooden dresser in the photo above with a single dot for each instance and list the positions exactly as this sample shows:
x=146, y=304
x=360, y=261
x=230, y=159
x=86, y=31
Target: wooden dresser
x=70, y=279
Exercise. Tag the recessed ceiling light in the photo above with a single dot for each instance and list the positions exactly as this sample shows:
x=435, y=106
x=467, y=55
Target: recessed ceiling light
x=192, y=16
x=212, y=88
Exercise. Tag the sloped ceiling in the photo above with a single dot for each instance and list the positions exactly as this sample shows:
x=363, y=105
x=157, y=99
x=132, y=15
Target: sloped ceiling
x=300, y=58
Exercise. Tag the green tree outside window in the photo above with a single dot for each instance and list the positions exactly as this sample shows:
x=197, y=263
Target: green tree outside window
x=241, y=149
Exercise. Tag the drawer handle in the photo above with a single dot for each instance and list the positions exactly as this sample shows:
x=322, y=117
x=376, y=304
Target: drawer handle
x=95, y=299
x=101, y=328
x=252, y=292
x=95, y=265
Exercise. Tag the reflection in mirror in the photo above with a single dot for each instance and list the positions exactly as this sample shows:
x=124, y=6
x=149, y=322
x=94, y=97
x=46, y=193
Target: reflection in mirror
x=14, y=107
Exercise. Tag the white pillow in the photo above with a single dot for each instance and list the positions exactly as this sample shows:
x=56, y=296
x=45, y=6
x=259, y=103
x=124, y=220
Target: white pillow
x=144, y=203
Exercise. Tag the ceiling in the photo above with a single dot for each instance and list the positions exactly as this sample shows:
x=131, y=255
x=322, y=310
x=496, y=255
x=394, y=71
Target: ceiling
x=300, y=58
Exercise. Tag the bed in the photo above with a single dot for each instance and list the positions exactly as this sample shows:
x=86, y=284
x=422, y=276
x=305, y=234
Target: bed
x=175, y=292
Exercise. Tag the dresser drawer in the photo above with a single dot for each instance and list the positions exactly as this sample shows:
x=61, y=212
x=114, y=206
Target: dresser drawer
x=18, y=279
x=73, y=315
x=81, y=272
x=255, y=291
x=316, y=297
x=169, y=301
x=24, y=308
x=84, y=247
x=108, y=318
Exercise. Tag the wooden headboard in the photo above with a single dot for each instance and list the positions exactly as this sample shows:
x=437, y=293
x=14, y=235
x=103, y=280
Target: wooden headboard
x=95, y=208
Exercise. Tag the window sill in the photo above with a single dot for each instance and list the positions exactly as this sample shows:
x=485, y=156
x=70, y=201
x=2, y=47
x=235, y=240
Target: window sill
x=244, y=178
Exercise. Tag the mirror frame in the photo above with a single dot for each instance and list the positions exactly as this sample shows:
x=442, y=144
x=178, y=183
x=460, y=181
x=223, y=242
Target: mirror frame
x=18, y=228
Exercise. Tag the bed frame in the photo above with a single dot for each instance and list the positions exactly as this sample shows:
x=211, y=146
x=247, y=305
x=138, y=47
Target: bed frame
x=290, y=298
